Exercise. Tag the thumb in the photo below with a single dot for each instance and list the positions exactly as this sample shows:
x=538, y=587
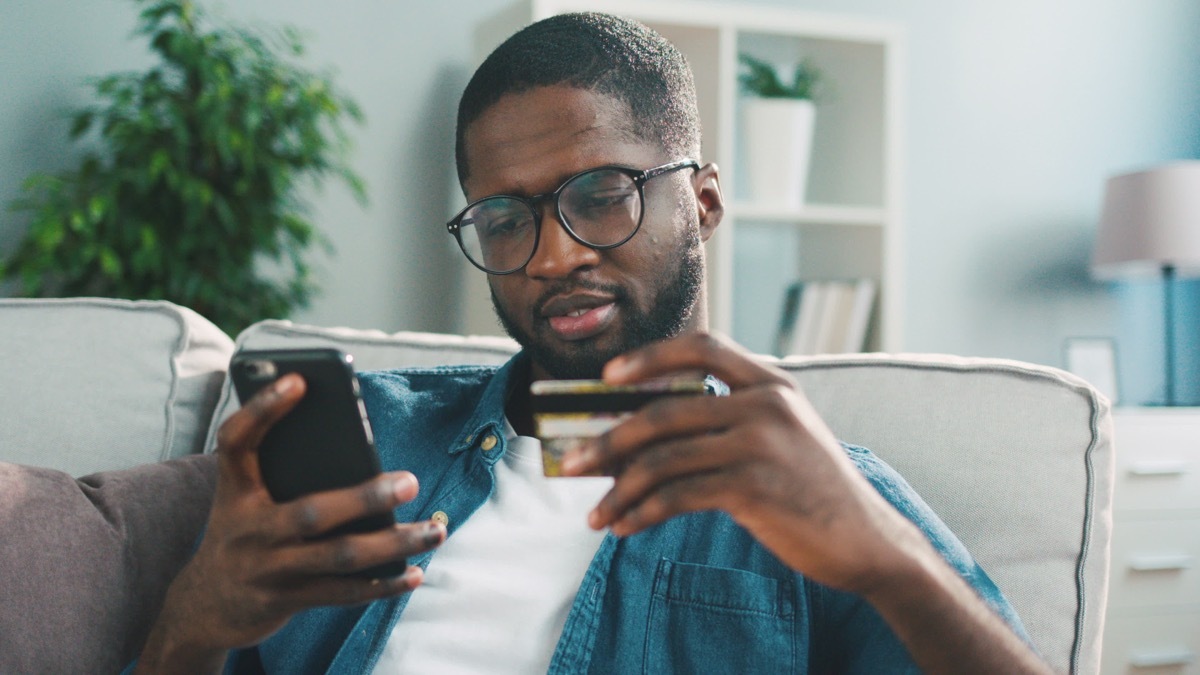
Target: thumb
x=240, y=435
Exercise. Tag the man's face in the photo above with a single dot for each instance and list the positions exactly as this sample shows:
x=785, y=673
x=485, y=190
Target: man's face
x=572, y=307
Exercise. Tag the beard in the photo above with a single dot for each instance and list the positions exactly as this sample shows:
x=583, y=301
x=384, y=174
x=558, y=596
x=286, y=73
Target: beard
x=671, y=308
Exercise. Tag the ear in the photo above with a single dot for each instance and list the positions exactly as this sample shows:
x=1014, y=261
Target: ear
x=709, y=203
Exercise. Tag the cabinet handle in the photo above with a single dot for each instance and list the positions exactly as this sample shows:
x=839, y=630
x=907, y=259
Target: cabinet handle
x=1160, y=563
x=1157, y=658
x=1165, y=468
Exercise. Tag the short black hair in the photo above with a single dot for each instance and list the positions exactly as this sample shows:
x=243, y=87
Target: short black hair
x=603, y=53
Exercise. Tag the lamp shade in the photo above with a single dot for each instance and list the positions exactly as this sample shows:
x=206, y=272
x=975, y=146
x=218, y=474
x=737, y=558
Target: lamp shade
x=1151, y=220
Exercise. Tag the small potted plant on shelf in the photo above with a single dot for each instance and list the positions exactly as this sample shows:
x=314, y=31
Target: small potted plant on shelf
x=777, y=118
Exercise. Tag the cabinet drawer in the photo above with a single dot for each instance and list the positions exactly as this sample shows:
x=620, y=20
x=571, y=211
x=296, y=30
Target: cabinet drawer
x=1155, y=562
x=1158, y=462
x=1158, y=643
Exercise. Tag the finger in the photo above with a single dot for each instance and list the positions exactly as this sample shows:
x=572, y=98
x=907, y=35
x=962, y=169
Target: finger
x=315, y=514
x=239, y=436
x=661, y=464
x=350, y=590
x=654, y=422
x=695, y=492
x=712, y=354
x=356, y=552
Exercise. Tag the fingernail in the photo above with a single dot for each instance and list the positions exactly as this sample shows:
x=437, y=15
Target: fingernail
x=402, y=485
x=413, y=576
x=578, y=458
x=393, y=489
x=284, y=385
x=571, y=462
x=618, y=367
x=434, y=533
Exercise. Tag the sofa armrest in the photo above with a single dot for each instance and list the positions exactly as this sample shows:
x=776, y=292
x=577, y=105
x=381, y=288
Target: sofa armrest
x=1016, y=458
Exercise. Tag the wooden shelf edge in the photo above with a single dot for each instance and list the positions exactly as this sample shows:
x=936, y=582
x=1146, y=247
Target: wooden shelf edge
x=811, y=214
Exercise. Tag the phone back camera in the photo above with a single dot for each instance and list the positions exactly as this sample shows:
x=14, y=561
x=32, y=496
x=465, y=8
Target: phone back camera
x=260, y=370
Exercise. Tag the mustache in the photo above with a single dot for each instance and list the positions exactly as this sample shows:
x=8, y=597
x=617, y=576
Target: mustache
x=555, y=289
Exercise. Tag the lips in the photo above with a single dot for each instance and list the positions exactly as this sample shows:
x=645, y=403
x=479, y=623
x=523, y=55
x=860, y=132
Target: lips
x=579, y=316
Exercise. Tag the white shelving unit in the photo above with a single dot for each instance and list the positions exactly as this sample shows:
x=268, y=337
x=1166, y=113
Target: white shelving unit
x=851, y=227
x=1153, y=620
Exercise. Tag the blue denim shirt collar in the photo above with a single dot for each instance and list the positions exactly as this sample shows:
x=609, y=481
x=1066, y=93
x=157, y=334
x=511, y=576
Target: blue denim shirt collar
x=489, y=414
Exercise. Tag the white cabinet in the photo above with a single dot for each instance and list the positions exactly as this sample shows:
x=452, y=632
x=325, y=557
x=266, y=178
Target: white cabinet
x=1153, y=622
x=851, y=225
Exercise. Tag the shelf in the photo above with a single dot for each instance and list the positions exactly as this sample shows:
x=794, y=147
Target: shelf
x=812, y=214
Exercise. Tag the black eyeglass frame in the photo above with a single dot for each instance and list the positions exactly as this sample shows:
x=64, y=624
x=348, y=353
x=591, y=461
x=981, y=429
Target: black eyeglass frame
x=639, y=177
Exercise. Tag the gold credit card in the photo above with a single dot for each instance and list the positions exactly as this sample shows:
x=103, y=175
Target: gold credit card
x=568, y=412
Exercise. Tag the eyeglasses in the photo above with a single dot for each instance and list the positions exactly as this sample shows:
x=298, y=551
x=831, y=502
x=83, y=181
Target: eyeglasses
x=600, y=208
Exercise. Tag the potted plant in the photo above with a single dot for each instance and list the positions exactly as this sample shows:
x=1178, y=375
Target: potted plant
x=190, y=187
x=777, y=118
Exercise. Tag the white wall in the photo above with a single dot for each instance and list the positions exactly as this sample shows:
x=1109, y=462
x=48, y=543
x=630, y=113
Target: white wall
x=1017, y=110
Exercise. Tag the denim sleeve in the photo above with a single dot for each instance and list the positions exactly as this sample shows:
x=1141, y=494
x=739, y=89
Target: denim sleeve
x=239, y=662
x=849, y=635
x=244, y=662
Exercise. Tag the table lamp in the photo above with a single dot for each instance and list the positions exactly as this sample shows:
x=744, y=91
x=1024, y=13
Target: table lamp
x=1150, y=226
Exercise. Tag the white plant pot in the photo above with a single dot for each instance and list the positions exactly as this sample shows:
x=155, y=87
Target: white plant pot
x=776, y=146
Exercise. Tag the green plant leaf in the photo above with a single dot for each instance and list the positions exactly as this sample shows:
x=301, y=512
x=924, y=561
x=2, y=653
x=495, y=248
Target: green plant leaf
x=201, y=165
x=80, y=123
x=761, y=78
x=110, y=264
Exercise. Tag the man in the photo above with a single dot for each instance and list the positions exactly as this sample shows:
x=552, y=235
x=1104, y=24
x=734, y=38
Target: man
x=737, y=535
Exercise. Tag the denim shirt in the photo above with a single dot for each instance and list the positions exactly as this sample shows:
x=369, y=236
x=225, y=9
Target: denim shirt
x=694, y=594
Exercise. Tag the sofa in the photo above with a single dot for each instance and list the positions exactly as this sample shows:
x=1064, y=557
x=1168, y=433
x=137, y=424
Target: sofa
x=110, y=407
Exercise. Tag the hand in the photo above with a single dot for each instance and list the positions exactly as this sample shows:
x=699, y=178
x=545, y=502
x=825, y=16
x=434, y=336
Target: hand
x=258, y=563
x=762, y=455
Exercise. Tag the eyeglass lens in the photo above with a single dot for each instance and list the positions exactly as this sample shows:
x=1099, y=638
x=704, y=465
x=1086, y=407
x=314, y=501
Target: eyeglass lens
x=602, y=208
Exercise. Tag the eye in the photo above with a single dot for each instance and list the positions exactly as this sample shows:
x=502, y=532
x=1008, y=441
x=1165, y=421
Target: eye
x=507, y=226
x=499, y=218
x=607, y=198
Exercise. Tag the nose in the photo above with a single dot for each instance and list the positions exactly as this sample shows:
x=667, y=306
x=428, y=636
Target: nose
x=558, y=255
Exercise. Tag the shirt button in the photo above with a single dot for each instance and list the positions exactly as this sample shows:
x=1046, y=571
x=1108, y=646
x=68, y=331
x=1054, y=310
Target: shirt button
x=440, y=517
x=488, y=443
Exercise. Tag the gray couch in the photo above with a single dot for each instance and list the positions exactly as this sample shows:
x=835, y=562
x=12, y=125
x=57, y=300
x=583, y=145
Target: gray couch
x=1016, y=458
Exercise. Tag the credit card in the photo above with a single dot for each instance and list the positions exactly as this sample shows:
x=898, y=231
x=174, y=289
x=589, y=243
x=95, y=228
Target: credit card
x=568, y=412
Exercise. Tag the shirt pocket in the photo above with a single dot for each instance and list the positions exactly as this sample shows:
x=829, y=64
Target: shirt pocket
x=717, y=620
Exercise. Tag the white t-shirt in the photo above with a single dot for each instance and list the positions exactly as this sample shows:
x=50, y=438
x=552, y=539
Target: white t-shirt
x=497, y=593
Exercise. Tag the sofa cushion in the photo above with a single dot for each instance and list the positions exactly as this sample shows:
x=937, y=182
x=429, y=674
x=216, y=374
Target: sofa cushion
x=85, y=562
x=371, y=349
x=92, y=384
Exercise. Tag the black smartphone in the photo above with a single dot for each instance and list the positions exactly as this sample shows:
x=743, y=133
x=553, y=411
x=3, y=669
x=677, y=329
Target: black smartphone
x=325, y=442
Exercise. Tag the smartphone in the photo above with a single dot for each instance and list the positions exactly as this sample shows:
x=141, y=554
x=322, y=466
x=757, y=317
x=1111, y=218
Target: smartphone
x=325, y=442
x=568, y=412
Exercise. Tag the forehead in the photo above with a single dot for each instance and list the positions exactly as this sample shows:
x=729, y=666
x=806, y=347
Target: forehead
x=529, y=142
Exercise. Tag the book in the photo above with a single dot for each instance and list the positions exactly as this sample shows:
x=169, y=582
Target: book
x=825, y=317
x=835, y=317
x=804, y=337
x=860, y=316
x=788, y=318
